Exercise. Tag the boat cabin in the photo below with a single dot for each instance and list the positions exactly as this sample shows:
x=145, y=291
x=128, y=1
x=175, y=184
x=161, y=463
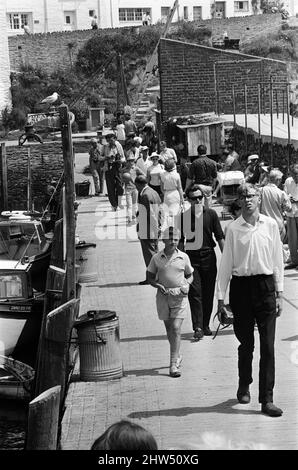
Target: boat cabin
x=21, y=237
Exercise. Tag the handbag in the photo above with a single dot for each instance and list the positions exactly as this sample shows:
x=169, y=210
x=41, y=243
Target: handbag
x=225, y=318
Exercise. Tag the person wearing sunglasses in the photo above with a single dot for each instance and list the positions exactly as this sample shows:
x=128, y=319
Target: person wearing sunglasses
x=252, y=263
x=200, y=226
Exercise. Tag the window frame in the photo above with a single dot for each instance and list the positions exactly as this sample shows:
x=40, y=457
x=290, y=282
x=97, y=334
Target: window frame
x=20, y=18
x=237, y=8
x=136, y=14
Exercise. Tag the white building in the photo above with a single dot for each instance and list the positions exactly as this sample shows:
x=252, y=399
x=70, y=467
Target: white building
x=59, y=15
x=5, y=97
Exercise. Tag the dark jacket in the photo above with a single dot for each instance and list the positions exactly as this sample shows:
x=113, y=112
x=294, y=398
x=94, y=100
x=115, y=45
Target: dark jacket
x=148, y=214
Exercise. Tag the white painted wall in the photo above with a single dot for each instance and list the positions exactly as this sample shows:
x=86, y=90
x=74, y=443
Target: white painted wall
x=5, y=98
x=49, y=15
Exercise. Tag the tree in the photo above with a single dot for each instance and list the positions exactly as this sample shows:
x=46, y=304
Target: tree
x=272, y=6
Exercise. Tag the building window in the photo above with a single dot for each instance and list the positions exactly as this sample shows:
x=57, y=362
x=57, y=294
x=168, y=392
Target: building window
x=197, y=13
x=17, y=20
x=240, y=6
x=185, y=13
x=132, y=14
x=67, y=19
x=91, y=13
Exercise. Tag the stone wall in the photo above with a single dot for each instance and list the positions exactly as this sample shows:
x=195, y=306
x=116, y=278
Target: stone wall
x=190, y=74
x=56, y=50
x=46, y=165
x=49, y=51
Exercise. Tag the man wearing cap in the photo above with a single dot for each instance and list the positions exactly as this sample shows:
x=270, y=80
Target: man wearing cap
x=148, y=219
x=96, y=163
x=170, y=272
x=252, y=262
x=252, y=172
x=143, y=162
x=114, y=157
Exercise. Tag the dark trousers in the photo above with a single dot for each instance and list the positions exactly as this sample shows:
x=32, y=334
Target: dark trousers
x=201, y=291
x=252, y=298
x=149, y=248
x=114, y=187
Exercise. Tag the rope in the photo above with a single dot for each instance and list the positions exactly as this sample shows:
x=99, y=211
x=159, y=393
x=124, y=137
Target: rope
x=42, y=216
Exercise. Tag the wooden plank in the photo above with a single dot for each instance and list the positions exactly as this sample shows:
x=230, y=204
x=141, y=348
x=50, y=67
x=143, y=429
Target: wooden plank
x=69, y=213
x=43, y=420
x=54, y=363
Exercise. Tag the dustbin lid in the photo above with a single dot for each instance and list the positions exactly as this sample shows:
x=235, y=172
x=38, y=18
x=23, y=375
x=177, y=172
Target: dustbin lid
x=83, y=244
x=95, y=315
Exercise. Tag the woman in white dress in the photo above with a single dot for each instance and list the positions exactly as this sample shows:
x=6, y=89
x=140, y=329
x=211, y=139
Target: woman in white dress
x=172, y=190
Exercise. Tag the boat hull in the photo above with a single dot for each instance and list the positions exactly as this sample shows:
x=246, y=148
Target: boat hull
x=20, y=326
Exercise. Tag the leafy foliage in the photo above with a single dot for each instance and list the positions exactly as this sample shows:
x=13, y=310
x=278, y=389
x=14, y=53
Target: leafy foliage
x=281, y=45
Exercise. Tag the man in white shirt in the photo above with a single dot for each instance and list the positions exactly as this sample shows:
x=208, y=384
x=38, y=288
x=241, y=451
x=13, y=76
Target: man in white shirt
x=252, y=260
x=291, y=188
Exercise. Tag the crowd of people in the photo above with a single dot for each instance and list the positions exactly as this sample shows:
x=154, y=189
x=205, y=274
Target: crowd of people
x=185, y=271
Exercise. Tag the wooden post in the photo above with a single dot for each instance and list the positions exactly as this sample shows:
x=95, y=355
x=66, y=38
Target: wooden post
x=283, y=106
x=29, y=188
x=245, y=116
x=271, y=121
x=234, y=105
x=54, y=363
x=276, y=103
x=4, y=187
x=69, y=214
x=259, y=116
x=43, y=420
x=288, y=122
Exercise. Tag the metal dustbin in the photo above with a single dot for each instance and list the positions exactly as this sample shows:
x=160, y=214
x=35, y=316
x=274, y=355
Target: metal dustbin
x=99, y=346
x=86, y=259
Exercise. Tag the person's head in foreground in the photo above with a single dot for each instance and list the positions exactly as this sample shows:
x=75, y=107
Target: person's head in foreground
x=249, y=197
x=171, y=237
x=125, y=435
x=194, y=194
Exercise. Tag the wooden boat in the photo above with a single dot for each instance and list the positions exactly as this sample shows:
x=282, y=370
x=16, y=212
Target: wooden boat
x=15, y=379
x=25, y=253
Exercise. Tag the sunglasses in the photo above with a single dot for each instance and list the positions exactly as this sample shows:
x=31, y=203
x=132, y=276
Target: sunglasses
x=196, y=197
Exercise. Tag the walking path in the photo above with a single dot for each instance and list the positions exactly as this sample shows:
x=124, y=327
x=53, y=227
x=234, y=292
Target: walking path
x=176, y=410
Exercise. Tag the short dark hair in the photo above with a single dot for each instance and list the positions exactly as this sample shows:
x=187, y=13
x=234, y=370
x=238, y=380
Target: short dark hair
x=202, y=149
x=125, y=435
x=141, y=179
x=194, y=187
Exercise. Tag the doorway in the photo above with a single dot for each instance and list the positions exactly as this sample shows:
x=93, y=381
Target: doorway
x=70, y=20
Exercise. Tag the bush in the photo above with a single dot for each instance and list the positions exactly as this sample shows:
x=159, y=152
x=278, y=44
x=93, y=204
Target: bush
x=13, y=119
x=191, y=32
x=279, y=45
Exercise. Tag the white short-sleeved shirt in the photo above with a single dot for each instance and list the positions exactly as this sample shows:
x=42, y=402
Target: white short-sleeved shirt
x=170, y=272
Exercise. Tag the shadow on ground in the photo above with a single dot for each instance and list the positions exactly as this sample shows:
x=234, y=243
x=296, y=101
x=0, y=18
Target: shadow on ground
x=224, y=407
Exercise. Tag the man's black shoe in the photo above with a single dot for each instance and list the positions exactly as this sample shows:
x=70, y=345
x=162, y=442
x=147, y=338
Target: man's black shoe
x=198, y=334
x=271, y=410
x=207, y=331
x=243, y=395
x=143, y=283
